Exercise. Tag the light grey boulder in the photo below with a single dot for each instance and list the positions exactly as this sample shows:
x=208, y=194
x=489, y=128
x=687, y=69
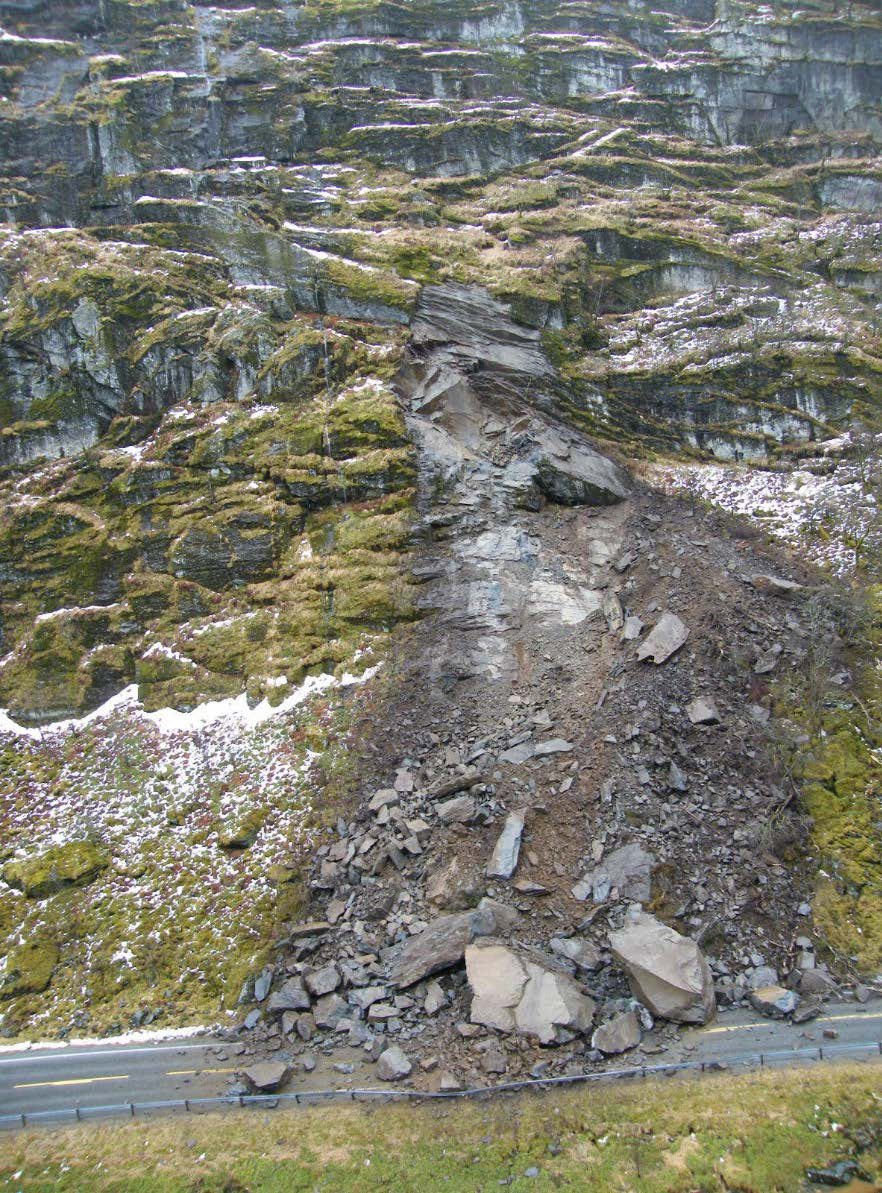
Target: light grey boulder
x=664, y=639
x=393, y=1064
x=462, y=809
x=323, y=981
x=582, y=953
x=618, y=1034
x=667, y=972
x=267, y=1076
x=775, y=1002
x=263, y=983
x=513, y=992
x=702, y=711
x=291, y=996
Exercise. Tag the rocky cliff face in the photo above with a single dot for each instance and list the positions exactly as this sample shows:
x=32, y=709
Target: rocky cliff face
x=308, y=311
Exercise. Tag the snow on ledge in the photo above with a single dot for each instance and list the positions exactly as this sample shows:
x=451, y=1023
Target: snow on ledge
x=169, y=720
x=170, y=1034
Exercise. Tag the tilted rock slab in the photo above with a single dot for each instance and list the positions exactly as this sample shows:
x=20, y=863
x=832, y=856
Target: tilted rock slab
x=514, y=993
x=504, y=859
x=443, y=943
x=666, y=637
x=667, y=971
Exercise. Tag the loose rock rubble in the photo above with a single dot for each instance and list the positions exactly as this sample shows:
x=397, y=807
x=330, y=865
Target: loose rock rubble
x=557, y=852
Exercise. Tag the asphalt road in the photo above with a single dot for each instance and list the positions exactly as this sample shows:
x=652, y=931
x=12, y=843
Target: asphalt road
x=738, y=1032
x=52, y=1079
x=100, y=1075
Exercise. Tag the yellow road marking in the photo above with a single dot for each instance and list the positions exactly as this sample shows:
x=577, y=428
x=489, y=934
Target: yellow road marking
x=71, y=1081
x=193, y=1072
x=712, y=1031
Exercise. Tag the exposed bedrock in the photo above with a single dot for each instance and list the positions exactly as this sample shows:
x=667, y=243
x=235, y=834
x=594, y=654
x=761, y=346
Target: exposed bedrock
x=481, y=401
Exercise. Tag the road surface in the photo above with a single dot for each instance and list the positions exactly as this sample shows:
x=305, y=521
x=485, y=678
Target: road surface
x=107, y=1075
x=57, y=1079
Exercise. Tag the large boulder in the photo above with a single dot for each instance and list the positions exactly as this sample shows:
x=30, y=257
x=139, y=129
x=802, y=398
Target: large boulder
x=516, y=991
x=267, y=1075
x=667, y=971
x=444, y=941
x=393, y=1064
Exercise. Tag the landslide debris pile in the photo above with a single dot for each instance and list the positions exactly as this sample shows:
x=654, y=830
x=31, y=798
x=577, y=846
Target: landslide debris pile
x=332, y=338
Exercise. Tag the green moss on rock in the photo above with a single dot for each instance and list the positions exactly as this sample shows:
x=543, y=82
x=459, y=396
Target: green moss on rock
x=29, y=968
x=75, y=863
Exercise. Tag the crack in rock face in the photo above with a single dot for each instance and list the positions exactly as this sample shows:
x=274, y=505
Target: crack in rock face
x=480, y=398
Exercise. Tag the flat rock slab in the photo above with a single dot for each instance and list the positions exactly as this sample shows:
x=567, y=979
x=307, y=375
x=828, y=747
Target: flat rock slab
x=443, y=943
x=504, y=859
x=667, y=971
x=512, y=992
x=515, y=755
x=775, y=585
x=556, y=745
x=664, y=639
x=446, y=787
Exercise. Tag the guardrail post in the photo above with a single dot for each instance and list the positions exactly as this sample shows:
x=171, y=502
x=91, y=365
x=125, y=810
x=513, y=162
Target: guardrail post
x=132, y=1108
x=77, y=1112
x=187, y=1105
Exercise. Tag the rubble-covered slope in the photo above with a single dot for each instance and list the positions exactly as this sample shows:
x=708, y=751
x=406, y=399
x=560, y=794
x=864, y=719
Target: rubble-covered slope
x=313, y=317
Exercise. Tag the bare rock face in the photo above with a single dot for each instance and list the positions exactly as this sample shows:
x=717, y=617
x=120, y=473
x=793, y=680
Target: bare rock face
x=667, y=971
x=514, y=993
x=443, y=943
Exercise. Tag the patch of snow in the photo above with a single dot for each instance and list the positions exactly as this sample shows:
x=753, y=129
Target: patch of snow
x=171, y=720
x=74, y=611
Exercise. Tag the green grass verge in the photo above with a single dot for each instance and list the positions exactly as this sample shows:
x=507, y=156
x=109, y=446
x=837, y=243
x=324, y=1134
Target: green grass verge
x=755, y=1133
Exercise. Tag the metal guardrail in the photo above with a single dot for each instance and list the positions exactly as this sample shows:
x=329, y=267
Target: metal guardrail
x=306, y=1097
